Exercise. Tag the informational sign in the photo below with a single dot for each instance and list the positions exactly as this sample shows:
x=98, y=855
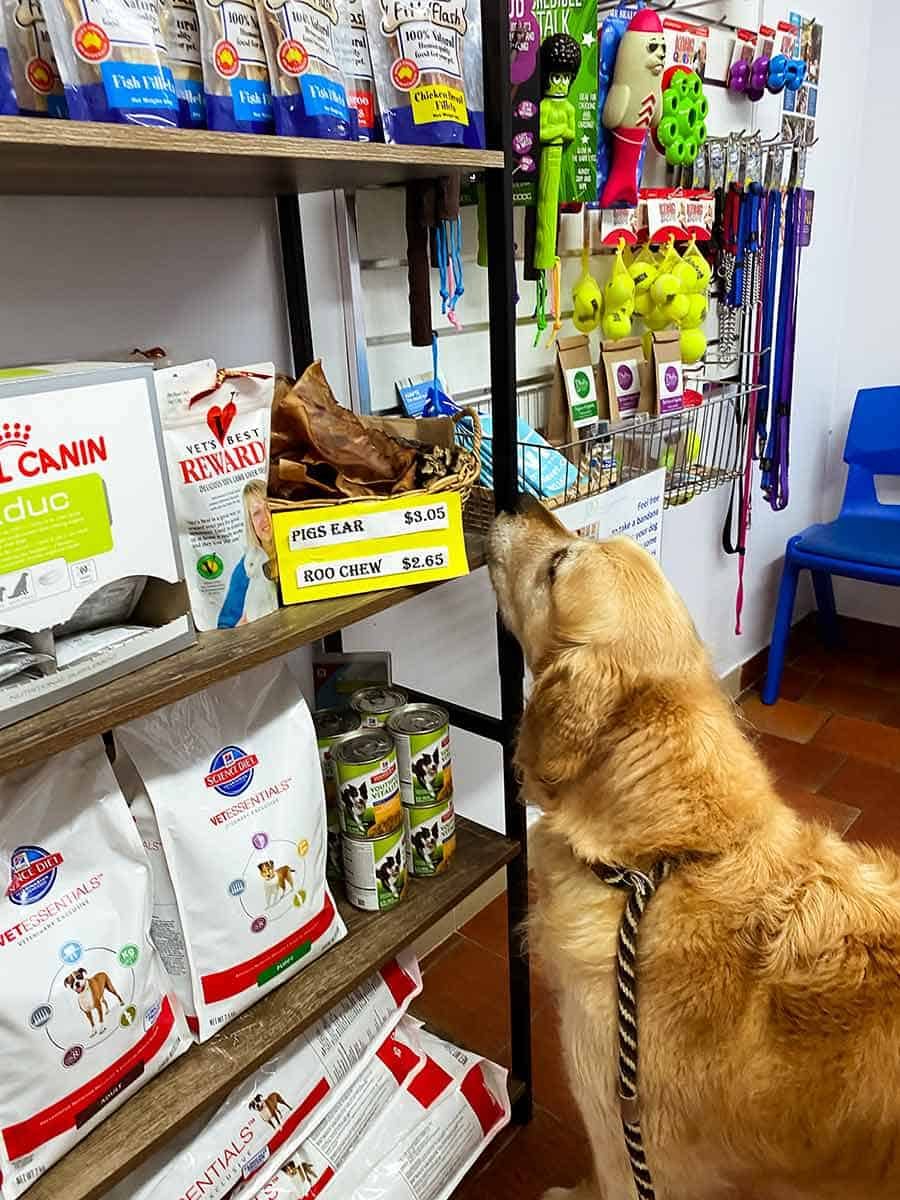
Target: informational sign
x=633, y=509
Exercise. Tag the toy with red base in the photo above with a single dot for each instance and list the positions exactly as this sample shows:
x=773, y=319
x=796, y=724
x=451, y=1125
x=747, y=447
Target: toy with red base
x=633, y=104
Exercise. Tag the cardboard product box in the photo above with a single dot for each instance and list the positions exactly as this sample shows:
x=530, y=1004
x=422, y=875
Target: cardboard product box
x=90, y=573
x=575, y=405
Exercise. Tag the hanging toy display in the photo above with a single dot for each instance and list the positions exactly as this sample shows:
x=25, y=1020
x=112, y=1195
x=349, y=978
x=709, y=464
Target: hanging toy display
x=633, y=104
x=682, y=126
x=587, y=295
x=560, y=60
x=618, y=297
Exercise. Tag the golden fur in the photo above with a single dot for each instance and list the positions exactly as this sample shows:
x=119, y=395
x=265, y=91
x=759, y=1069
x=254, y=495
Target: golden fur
x=770, y=960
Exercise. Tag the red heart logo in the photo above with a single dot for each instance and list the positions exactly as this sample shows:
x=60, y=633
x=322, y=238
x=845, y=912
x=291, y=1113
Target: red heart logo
x=219, y=420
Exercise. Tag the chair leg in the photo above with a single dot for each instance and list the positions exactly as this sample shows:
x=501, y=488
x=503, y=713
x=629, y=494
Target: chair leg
x=828, y=617
x=781, y=630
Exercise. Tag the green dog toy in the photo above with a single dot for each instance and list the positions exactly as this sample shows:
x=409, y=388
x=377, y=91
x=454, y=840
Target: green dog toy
x=682, y=127
x=560, y=62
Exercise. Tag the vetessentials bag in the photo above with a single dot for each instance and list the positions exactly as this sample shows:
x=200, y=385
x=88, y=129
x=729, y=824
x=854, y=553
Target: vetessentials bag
x=233, y=776
x=86, y=1017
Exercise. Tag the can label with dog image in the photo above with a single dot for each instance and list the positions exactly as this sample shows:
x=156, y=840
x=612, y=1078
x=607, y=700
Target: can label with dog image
x=368, y=785
x=375, y=871
x=421, y=734
x=430, y=837
x=331, y=725
x=375, y=704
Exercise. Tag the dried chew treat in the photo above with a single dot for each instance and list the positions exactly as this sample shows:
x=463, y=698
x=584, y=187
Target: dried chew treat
x=181, y=31
x=32, y=63
x=235, y=74
x=302, y=40
x=111, y=56
x=356, y=61
x=427, y=60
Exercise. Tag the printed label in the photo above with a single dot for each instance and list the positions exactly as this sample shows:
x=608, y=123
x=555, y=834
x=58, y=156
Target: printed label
x=323, y=97
x=369, y=797
x=438, y=102
x=126, y=23
x=397, y=562
x=252, y=100
x=670, y=386
x=423, y=760
x=190, y=91
x=376, y=872
x=430, y=47
x=240, y=28
x=416, y=518
x=627, y=385
x=67, y=520
x=430, y=837
x=582, y=393
x=184, y=35
x=138, y=85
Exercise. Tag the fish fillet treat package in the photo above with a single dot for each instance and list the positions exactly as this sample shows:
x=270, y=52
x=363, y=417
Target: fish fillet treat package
x=181, y=30
x=34, y=74
x=235, y=74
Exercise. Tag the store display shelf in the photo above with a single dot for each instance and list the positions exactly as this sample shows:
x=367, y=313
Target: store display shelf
x=206, y=1074
x=215, y=656
x=75, y=158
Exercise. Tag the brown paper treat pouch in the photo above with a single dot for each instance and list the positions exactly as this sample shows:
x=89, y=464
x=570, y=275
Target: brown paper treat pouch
x=302, y=40
x=112, y=59
x=181, y=31
x=668, y=374
x=624, y=371
x=32, y=63
x=235, y=72
x=356, y=61
x=427, y=60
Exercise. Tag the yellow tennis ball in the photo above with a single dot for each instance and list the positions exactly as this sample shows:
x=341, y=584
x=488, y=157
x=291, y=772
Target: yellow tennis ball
x=656, y=319
x=677, y=308
x=643, y=302
x=696, y=312
x=692, y=446
x=616, y=325
x=701, y=269
x=619, y=290
x=693, y=345
x=685, y=274
x=664, y=287
x=642, y=273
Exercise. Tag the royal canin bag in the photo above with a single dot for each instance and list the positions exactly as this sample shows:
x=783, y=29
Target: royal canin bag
x=233, y=776
x=86, y=1017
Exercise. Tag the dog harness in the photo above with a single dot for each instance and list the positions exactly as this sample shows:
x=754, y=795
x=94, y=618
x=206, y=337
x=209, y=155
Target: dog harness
x=641, y=889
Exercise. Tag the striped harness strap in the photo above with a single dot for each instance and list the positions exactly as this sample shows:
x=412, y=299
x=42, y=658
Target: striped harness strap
x=640, y=888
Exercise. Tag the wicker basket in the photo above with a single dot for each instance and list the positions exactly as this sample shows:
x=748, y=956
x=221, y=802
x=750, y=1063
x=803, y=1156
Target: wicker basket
x=462, y=481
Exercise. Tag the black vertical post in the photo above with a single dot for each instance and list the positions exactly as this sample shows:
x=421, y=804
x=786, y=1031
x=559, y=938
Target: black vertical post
x=294, y=266
x=502, y=313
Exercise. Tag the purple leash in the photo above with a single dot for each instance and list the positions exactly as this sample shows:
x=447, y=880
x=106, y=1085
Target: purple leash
x=776, y=463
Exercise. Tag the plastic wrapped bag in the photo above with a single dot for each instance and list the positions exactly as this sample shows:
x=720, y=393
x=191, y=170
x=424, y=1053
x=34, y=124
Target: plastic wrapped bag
x=181, y=30
x=235, y=73
x=32, y=63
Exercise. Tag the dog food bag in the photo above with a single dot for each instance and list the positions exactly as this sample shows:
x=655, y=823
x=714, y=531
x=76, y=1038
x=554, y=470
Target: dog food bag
x=235, y=73
x=426, y=55
x=309, y=94
x=112, y=59
x=283, y=1100
x=86, y=1016
x=216, y=427
x=233, y=776
x=32, y=63
x=356, y=61
x=181, y=30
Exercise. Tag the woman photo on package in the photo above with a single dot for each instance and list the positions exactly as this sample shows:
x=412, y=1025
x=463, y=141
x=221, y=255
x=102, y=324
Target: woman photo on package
x=251, y=590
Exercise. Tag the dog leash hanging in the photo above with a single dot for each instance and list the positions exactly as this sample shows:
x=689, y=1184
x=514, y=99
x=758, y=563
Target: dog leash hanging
x=776, y=461
x=772, y=238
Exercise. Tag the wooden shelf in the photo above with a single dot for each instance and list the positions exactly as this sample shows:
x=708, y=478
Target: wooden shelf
x=206, y=1074
x=215, y=656
x=76, y=158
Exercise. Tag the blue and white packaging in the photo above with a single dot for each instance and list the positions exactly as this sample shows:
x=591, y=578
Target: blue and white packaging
x=543, y=471
x=32, y=67
x=181, y=30
x=235, y=73
x=8, y=103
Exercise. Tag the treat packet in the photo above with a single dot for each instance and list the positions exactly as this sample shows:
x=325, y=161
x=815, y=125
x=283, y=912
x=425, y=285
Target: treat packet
x=181, y=31
x=356, y=61
x=112, y=60
x=235, y=74
x=426, y=55
x=32, y=63
x=9, y=106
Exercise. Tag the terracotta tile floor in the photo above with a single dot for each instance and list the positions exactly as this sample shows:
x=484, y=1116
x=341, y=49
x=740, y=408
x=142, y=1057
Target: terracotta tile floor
x=833, y=744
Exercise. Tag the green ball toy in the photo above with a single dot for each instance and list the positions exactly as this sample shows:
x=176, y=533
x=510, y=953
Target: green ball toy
x=684, y=109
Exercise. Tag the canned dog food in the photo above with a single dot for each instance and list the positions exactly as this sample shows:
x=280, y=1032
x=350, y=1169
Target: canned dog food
x=430, y=837
x=375, y=871
x=375, y=704
x=331, y=724
x=365, y=764
x=421, y=733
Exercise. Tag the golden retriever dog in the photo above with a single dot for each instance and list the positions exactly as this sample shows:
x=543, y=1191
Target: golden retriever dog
x=769, y=960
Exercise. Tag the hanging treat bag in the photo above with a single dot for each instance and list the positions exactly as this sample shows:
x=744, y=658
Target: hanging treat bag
x=112, y=59
x=181, y=30
x=32, y=63
x=86, y=1017
x=233, y=776
x=309, y=96
x=427, y=60
x=216, y=431
x=235, y=73
x=356, y=61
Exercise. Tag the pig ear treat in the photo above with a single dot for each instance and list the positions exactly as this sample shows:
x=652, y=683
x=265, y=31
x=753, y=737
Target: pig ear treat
x=633, y=104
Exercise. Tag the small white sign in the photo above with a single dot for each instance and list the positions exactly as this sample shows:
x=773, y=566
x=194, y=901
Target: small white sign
x=633, y=509
x=417, y=518
x=373, y=566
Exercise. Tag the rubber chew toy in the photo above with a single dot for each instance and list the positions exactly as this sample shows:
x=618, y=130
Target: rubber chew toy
x=633, y=104
x=560, y=60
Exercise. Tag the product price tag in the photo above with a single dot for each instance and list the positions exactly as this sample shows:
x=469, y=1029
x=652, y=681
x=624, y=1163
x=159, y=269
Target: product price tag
x=369, y=545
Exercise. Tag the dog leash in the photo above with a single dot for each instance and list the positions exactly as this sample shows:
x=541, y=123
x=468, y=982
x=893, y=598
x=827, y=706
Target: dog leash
x=641, y=889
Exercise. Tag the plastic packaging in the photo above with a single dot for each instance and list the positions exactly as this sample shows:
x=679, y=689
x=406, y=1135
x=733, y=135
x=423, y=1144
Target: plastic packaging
x=181, y=30
x=32, y=63
x=235, y=73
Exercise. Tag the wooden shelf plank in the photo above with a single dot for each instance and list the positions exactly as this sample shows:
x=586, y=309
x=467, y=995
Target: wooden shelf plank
x=216, y=655
x=76, y=158
x=206, y=1074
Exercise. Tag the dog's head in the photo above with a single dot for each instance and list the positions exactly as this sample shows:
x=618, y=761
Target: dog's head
x=290, y=1169
x=355, y=796
x=425, y=838
x=77, y=980
x=256, y=1104
x=425, y=767
x=267, y=869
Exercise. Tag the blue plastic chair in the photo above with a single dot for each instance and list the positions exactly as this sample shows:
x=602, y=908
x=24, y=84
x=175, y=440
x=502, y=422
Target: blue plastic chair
x=863, y=542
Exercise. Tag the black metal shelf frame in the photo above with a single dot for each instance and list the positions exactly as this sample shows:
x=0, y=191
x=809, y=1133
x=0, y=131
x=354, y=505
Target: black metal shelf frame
x=502, y=334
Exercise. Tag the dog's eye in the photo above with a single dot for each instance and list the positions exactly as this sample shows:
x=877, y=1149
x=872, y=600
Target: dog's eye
x=555, y=559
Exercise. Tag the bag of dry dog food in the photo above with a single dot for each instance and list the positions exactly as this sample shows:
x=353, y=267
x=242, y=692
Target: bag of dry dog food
x=216, y=427
x=181, y=31
x=112, y=59
x=309, y=95
x=86, y=1015
x=233, y=776
x=235, y=73
x=284, y=1099
x=32, y=63
x=426, y=55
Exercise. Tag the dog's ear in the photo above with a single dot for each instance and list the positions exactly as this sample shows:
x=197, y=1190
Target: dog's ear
x=69, y=981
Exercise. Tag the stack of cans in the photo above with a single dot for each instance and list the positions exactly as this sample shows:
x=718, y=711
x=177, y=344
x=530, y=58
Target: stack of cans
x=421, y=734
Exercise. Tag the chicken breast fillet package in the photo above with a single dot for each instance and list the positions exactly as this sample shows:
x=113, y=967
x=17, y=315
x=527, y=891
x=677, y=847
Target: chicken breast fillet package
x=233, y=776
x=86, y=1016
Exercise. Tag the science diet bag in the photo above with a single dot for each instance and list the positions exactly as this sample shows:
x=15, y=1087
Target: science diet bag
x=112, y=59
x=233, y=776
x=216, y=427
x=309, y=95
x=181, y=31
x=426, y=55
x=235, y=74
x=85, y=1014
x=285, y=1098
x=32, y=63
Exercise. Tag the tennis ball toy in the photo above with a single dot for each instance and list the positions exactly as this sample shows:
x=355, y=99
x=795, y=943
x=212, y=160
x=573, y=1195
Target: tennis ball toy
x=656, y=319
x=699, y=265
x=616, y=325
x=587, y=299
x=686, y=275
x=619, y=286
x=696, y=312
x=677, y=308
x=664, y=287
x=692, y=446
x=643, y=270
x=643, y=302
x=693, y=345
